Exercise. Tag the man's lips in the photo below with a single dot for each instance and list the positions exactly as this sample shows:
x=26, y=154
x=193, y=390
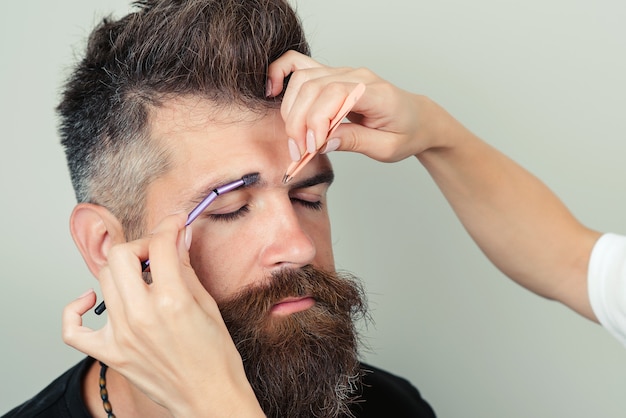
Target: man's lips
x=290, y=305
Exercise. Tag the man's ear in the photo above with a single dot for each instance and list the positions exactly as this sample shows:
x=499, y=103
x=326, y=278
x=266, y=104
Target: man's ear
x=94, y=230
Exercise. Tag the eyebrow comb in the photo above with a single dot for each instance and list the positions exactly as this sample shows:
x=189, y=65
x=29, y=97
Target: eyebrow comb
x=348, y=103
x=245, y=181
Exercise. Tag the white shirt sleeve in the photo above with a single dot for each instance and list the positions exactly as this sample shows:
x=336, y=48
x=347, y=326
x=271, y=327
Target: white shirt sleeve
x=606, y=281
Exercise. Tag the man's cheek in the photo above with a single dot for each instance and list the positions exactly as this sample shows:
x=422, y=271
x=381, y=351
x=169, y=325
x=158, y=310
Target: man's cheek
x=201, y=268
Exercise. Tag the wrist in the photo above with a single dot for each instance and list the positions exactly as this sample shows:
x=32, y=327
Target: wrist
x=437, y=129
x=244, y=405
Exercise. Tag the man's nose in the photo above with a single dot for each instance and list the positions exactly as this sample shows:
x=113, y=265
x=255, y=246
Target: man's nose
x=287, y=243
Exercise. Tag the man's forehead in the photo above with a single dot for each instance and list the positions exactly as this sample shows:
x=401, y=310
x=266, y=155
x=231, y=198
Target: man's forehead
x=190, y=128
x=183, y=113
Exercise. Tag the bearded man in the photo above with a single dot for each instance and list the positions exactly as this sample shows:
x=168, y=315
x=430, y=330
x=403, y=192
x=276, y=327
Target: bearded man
x=246, y=316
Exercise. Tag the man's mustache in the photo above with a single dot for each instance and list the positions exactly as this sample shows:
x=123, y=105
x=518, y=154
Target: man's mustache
x=335, y=291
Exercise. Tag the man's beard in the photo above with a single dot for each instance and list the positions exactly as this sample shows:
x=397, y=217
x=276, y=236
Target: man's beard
x=304, y=364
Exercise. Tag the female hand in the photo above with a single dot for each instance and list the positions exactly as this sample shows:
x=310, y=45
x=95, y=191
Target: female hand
x=389, y=124
x=167, y=338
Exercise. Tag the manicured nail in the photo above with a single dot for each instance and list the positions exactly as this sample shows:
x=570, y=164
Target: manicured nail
x=87, y=293
x=311, y=146
x=331, y=145
x=294, y=151
x=268, y=88
x=188, y=236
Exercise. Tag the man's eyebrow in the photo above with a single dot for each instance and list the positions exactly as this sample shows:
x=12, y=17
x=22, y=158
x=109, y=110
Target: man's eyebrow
x=219, y=183
x=323, y=177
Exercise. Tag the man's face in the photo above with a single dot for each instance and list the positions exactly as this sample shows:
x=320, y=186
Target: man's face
x=264, y=253
x=251, y=232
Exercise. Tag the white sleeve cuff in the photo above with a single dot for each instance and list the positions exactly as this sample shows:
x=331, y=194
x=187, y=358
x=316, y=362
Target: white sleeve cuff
x=606, y=283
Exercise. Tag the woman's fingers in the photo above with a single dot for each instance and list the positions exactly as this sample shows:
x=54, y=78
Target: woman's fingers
x=316, y=108
x=388, y=124
x=165, y=258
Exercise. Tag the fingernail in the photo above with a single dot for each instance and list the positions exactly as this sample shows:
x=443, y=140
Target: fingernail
x=311, y=146
x=87, y=293
x=188, y=237
x=331, y=145
x=268, y=88
x=294, y=151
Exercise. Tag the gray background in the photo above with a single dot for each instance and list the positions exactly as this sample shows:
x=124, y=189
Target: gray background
x=542, y=80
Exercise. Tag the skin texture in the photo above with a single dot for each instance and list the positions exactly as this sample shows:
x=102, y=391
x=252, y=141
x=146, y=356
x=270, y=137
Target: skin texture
x=175, y=322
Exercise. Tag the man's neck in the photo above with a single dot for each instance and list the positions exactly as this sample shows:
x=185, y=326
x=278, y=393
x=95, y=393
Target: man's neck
x=126, y=400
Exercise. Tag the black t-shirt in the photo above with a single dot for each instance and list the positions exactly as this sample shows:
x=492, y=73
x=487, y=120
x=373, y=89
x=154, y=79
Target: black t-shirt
x=61, y=398
x=383, y=395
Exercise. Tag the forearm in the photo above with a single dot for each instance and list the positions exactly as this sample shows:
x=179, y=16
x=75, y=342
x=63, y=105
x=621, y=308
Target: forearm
x=522, y=227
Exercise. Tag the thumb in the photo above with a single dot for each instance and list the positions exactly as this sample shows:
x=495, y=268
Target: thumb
x=377, y=144
x=73, y=332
